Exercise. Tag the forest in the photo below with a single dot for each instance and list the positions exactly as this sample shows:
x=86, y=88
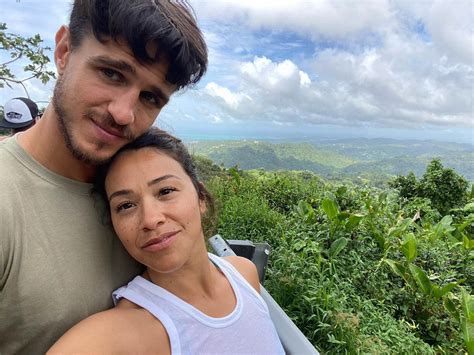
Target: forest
x=376, y=160
x=360, y=269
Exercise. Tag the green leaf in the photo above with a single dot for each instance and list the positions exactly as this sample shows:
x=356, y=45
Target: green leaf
x=330, y=208
x=299, y=245
x=397, y=268
x=421, y=279
x=466, y=223
x=441, y=291
x=467, y=243
x=400, y=228
x=337, y=246
x=467, y=320
x=341, y=190
x=451, y=307
x=354, y=220
x=470, y=206
x=467, y=304
x=380, y=240
x=343, y=216
x=468, y=335
x=235, y=174
x=409, y=247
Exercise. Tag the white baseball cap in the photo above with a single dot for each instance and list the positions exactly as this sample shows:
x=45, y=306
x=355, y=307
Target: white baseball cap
x=18, y=112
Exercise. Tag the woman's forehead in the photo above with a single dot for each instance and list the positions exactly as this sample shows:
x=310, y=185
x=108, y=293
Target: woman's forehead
x=147, y=161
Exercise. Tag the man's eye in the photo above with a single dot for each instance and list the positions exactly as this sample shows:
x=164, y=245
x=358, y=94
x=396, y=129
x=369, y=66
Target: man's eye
x=124, y=206
x=150, y=97
x=111, y=74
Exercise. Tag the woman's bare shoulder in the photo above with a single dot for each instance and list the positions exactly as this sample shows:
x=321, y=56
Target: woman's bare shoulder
x=126, y=328
x=247, y=269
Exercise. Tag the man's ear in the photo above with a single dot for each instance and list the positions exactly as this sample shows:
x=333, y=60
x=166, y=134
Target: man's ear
x=62, y=50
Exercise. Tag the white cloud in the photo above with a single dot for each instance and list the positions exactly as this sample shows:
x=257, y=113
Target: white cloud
x=321, y=18
x=374, y=63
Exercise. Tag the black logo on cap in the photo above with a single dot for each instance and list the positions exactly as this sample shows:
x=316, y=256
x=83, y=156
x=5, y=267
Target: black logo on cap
x=14, y=115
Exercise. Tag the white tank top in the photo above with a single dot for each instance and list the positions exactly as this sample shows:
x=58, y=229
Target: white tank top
x=248, y=329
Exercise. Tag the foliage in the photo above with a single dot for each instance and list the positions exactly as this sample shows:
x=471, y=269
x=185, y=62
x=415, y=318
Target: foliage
x=28, y=50
x=362, y=161
x=356, y=268
x=442, y=186
x=205, y=167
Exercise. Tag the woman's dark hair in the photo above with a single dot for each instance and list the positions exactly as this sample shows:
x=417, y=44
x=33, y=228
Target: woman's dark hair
x=170, y=24
x=174, y=148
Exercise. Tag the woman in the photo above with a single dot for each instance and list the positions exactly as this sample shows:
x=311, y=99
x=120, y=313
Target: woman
x=187, y=301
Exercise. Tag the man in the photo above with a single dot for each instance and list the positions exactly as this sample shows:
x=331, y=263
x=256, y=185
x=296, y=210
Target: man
x=118, y=63
x=20, y=114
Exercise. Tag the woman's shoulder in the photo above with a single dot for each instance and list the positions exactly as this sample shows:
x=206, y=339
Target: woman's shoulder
x=246, y=268
x=124, y=328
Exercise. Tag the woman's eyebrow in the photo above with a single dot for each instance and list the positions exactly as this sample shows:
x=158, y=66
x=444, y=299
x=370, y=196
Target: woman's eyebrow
x=125, y=192
x=119, y=193
x=161, y=178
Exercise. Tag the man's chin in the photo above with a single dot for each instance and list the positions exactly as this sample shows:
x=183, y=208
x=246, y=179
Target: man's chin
x=93, y=157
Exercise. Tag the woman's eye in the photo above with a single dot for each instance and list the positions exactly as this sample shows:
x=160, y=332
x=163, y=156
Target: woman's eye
x=166, y=191
x=124, y=206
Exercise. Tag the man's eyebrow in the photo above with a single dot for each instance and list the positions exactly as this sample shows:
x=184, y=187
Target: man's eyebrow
x=114, y=63
x=124, y=66
x=126, y=192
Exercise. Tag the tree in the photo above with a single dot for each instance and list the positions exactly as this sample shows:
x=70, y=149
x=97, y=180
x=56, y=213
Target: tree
x=406, y=185
x=442, y=186
x=29, y=49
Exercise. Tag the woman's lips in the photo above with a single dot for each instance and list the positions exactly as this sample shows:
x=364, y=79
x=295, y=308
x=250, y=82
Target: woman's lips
x=162, y=242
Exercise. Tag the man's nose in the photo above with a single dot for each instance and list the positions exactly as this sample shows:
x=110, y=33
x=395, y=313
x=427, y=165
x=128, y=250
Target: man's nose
x=122, y=107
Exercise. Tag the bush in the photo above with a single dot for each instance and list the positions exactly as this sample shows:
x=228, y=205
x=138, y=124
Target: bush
x=329, y=270
x=442, y=186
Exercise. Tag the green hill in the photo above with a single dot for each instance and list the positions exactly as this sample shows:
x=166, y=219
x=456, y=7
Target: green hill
x=378, y=158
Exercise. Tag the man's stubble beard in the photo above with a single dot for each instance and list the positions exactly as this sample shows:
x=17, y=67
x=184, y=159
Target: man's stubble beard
x=65, y=118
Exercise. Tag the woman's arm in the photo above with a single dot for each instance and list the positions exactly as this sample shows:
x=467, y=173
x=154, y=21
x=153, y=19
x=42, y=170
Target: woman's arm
x=119, y=330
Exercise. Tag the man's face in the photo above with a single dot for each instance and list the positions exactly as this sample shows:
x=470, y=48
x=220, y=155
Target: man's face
x=104, y=98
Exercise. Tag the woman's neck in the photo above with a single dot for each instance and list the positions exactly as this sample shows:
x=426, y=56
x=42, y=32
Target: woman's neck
x=200, y=284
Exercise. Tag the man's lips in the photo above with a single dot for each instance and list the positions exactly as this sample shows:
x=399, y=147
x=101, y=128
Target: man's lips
x=109, y=130
x=160, y=242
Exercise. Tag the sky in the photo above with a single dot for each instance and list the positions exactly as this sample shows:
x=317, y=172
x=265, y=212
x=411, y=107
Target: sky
x=310, y=69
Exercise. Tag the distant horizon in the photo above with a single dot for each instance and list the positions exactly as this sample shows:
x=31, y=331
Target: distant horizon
x=186, y=136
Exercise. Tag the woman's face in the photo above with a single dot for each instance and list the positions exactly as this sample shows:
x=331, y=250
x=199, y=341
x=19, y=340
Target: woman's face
x=155, y=209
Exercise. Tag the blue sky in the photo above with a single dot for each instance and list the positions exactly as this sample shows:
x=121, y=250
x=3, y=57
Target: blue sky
x=304, y=69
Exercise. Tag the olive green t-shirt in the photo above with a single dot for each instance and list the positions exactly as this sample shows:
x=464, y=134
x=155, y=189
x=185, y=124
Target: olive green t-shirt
x=58, y=262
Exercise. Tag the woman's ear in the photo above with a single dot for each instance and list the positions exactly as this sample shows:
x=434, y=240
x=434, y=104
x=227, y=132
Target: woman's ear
x=62, y=50
x=202, y=198
x=202, y=206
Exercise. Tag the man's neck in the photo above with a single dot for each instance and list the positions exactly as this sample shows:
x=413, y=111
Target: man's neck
x=45, y=143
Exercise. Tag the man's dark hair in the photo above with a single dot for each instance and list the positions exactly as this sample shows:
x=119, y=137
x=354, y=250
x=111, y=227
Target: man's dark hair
x=175, y=149
x=170, y=24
